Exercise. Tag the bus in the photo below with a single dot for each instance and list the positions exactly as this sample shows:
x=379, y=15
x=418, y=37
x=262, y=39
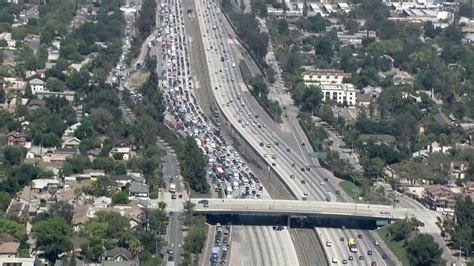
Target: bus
x=352, y=245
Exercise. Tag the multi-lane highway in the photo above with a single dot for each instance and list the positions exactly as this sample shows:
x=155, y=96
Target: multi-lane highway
x=284, y=154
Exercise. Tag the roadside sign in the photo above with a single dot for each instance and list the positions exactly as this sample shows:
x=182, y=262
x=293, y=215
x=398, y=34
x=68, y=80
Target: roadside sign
x=319, y=155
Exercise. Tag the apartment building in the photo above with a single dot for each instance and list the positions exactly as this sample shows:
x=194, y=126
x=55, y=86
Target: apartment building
x=315, y=77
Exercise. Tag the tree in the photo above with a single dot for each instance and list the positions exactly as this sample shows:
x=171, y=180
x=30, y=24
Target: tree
x=423, y=250
x=14, y=155
x=120, y=198
x=400, y=230
x=373, y=168
x=188, y=212
x=326, y=114
x=52, y=237
x=13, y=228
x=5, y=199
x=193, y=166
x=311, y=99
x=283, y=26
x=54, y=84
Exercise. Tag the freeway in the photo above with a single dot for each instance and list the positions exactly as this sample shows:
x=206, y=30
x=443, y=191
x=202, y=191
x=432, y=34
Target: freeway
x=282, y=152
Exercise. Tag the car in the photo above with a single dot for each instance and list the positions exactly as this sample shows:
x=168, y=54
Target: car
x=171, y=213
x=376, y=243
x=277, y=227
x=361, y=257
x=373, y=263
x=384, y=256
x=306, y=193
x=350, y=258
x=288, y=150
x=334, y=260
x=170, y=258
x=304, y=198
x=261, y=144
x=274, y=164
x=328, y=244
x=292, y=176
x=359, y=236
x=274, y=156
x=369, y=252
x=326, y=179
x=338, y=192
x=169, y=251
x=303, y=181
x=302, y=169
x=203, y=201
x=344, y=261
x=174, y=196
x=303, y=144
x=268, y=145
x=342, y=238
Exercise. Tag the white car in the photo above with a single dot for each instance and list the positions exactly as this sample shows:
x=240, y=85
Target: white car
x=328, y=244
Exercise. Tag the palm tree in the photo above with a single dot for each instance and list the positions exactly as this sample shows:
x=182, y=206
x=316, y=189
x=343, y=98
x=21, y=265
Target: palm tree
x=135, y=247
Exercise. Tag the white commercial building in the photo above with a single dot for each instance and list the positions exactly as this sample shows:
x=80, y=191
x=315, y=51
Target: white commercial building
x=342, y=93
x=331, y=82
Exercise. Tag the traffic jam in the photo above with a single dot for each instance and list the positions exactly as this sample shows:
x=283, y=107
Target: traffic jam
x=230, y=175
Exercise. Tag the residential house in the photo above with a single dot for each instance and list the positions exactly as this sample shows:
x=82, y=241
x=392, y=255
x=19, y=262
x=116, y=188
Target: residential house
x=102, y=202
x=81, y=216
x=15, y=85
x=37, y=85
x=67, y=261
x=20, y=262
x=71, y=143
x=383, y=138
x=69, y=132
x=17, y=210
x=123, y=180
x=9, y=246
x=442, y=120
x=93, y=153
x=139, y=190
x=61, y=154
x=440, y=197
x=117, y=254
x=68, y=95
x=121, y=153
x=16, y=138
x=459, y=169
x=36, y=104
x=364, y=100
x=94, y=174
x=44, y=185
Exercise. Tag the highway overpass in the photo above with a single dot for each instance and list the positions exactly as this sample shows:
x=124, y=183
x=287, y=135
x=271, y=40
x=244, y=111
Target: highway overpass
x=315, y=209
x=301, y=208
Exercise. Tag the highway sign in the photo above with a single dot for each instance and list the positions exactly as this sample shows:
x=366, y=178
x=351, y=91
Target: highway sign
x=319, y=155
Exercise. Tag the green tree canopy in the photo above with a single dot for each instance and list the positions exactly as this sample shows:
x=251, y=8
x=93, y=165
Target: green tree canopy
x=424, y=251
x=53, y=237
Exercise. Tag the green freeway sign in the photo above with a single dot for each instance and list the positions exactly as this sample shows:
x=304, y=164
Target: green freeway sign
x=319, y=155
